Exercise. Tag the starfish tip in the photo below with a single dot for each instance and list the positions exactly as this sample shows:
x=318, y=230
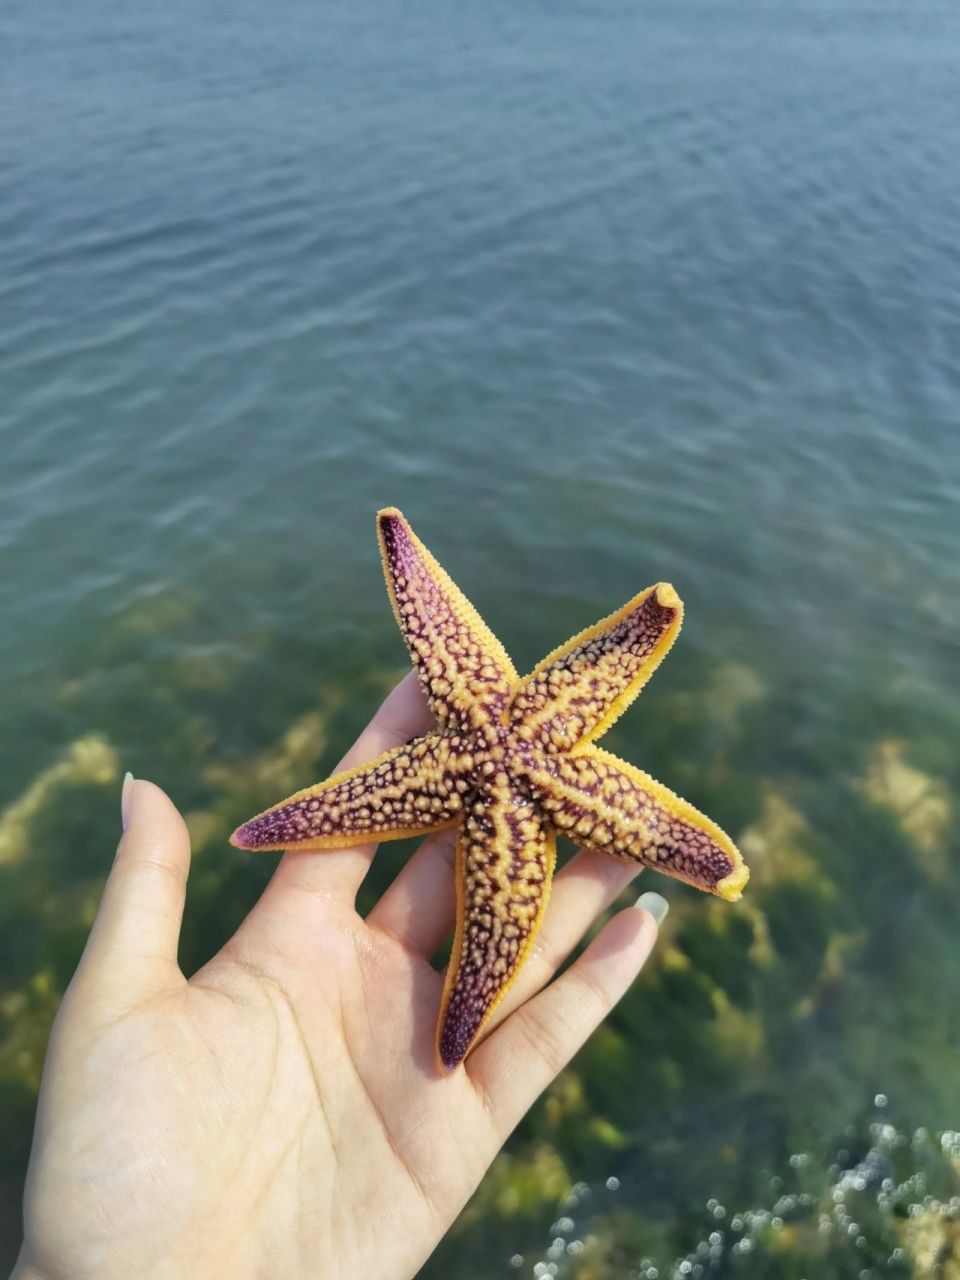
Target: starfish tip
x=394, y=534
x=667, y=597
x=453, y=1045
x=388, y=515
x=731, y=886
x=242, y=838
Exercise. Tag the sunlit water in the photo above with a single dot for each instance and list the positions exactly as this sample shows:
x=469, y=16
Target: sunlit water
x=888, y=1204
x=599, y=296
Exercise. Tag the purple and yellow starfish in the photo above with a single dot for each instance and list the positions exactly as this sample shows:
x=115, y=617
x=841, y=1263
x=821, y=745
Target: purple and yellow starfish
x=512, y=763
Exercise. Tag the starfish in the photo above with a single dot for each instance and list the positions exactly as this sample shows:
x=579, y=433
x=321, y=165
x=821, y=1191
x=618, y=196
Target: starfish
x=511, y=764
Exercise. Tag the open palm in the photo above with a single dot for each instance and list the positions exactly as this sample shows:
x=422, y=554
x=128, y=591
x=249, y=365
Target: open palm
x=282, y=1113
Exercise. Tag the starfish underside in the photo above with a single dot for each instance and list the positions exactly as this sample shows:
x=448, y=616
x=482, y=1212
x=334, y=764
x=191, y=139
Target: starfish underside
x=510, y=764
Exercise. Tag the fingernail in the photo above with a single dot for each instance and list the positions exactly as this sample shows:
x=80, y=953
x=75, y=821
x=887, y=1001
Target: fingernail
x=655, y=905
x=126, y=796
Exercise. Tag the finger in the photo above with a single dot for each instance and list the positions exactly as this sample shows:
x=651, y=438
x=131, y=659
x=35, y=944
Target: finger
x=519, y=1060
x=586, y=886
x=418, y=908
x=137, y=927
x=402, y=715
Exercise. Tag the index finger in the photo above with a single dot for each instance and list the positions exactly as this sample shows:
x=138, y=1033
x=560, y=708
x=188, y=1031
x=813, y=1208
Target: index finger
x=402, y=715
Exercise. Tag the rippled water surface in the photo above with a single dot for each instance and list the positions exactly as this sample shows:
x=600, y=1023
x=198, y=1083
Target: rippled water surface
x=600, y=295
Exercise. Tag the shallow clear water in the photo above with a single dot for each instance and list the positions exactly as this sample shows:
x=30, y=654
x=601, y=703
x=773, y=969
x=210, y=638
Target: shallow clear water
x=598, y=296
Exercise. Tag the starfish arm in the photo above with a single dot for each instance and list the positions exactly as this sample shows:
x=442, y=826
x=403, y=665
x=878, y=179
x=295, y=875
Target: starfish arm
x=505, y=861
x=603, y=803
x=463, y=668
x=576, y=692
x=408, y=791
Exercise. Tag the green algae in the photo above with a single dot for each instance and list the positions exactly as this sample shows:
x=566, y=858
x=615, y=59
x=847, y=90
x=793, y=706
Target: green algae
x=756, y=1031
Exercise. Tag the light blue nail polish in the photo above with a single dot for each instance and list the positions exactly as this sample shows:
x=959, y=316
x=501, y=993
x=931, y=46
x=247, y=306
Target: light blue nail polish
x=655, y=905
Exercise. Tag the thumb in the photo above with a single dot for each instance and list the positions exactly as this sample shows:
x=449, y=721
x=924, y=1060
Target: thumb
x=137, y=927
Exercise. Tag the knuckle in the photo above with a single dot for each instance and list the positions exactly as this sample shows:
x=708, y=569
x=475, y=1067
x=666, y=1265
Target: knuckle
x=549, y=1035
x=150, y=868
x=593, y=995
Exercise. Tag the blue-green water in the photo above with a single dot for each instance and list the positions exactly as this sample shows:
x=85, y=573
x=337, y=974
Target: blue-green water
x=599, y=295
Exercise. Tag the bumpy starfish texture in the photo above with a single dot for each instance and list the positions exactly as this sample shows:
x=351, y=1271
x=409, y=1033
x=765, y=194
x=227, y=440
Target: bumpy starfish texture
x=510, y=764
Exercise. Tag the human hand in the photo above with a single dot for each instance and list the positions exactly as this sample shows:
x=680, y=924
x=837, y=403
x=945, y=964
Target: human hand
x=282, y=1113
